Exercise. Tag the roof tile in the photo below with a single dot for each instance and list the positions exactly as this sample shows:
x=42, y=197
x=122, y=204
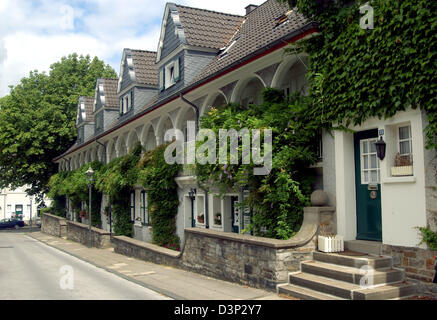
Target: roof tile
x=258, y=30
x=146, y=70
x=208, y=29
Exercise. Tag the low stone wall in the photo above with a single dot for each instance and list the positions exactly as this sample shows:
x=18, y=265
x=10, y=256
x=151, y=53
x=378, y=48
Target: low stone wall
x=79, y=232
x=253, y=261
x=53, y=225
x=146, y=251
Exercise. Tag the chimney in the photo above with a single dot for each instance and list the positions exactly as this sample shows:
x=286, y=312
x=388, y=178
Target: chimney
x=250, y=8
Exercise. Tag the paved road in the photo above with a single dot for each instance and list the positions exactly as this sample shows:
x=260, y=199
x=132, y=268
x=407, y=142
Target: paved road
x=31, y=270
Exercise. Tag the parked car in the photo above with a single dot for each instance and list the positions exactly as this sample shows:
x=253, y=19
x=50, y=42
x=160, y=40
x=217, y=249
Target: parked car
x=11, y=223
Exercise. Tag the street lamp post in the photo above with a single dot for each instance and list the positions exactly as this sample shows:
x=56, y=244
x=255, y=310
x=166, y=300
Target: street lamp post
x=90, y=175
x=31, y=200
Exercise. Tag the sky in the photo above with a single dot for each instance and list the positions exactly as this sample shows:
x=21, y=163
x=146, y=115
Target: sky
x=36, y=33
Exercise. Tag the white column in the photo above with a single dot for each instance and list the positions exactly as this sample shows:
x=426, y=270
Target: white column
x=345, y=185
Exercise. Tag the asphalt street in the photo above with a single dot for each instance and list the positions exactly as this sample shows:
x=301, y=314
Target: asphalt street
x=31, y=270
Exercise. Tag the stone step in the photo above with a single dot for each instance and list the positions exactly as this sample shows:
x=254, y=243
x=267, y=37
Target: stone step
x=321, y=284
x=347, y=290
x=387, y=292
x=375, y=262
x=350, y=274
x=304, y=293
x=370, y=247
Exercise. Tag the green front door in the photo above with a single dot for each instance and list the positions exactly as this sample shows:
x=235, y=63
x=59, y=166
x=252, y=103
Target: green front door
x=368, y=186
x=19, y=211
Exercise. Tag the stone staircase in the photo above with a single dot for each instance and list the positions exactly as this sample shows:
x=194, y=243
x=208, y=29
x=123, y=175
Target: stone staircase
x=331, y=276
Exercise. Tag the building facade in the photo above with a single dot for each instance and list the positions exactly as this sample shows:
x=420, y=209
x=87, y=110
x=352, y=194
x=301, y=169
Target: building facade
x=207, y=59
x=15, y=203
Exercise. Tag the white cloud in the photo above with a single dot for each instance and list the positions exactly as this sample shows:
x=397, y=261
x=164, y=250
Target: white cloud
x=35, y=34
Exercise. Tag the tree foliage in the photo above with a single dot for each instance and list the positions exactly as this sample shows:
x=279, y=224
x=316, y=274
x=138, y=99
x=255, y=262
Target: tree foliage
x=37, y=119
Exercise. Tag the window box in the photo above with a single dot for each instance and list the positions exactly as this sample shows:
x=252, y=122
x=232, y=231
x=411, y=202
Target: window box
x=402, y=171
x=330, y=243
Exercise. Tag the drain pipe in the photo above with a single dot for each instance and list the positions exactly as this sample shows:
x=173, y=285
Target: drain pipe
x=196, y=110
x=104, y=149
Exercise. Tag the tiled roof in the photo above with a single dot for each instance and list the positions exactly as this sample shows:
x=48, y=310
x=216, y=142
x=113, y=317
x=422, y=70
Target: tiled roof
x=208, y=29
x=259, y=30
x=89, y=106
x=110, y=92
x=145, y=68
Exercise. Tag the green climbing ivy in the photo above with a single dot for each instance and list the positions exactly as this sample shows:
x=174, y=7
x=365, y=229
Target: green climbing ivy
x=278, y=198
x=356, y=74
x=158, y=178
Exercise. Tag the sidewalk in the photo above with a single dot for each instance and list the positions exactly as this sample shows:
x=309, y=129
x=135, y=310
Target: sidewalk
x=174, y=283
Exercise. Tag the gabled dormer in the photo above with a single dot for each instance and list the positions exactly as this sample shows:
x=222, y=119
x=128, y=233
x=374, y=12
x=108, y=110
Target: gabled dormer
x=85, y=119
x=190, y=38
x=106, y=108
x=138, y=81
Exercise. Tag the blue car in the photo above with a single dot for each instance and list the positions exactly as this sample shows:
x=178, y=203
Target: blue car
x=11, y=224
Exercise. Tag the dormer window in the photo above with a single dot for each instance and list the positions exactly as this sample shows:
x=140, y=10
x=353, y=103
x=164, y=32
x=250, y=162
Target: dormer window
x=169, y=74
x=126, y=102
x=82, y=111
x=80, y=134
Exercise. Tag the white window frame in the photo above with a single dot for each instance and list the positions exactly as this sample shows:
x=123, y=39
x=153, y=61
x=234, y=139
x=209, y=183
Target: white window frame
x=409, y=139
x=169, y=75
x=369, y=169
x=145, y=218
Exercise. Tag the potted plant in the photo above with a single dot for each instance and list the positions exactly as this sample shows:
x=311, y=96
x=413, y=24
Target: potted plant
x=328, y=242
x=218, y=219
x=83, y=214
x=201, y=218
x=403, y=165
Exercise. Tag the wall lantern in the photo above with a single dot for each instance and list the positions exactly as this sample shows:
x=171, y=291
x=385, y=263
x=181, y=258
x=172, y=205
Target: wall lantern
x=380, y=148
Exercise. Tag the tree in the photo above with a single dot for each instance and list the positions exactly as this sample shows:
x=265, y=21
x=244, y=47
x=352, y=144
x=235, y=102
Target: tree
x=37, y=119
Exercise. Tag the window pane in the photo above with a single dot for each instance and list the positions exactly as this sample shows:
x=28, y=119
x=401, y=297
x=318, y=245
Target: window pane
x=365, y=149
x=366, y=162
x=404, y=132
x=373, y=146
x=366, y=177
x=373, y=176
x=373, y=161
x=404, y=147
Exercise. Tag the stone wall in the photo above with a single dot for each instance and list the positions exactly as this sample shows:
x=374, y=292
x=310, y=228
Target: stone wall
x=146, y=251
x=79, y=232
x=253, y=261
x=418, y=263
x=53, y=225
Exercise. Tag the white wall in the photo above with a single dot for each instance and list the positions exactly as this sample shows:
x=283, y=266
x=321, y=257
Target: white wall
x=10, y=198
x=402, y=198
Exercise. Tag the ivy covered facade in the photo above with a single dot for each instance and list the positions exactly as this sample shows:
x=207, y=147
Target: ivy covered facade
x=222, y=60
